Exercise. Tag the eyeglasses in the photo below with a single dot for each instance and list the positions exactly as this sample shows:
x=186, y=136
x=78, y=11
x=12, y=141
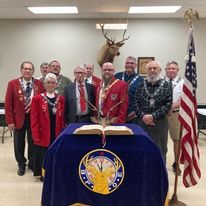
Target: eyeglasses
x=55, y=65
x=27, y=69
x=52, y=83
x=79, y=73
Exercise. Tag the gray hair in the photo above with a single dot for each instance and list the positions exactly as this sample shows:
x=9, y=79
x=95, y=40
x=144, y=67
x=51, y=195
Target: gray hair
x=132, y=58
x=44, y=63
x=79, y=68
x=89, y=64
x=172, y=62
x=50, y=76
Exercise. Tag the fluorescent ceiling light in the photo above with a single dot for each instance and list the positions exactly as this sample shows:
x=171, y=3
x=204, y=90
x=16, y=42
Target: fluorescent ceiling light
x=112, y=26
x=153, y=9
x=54, y=10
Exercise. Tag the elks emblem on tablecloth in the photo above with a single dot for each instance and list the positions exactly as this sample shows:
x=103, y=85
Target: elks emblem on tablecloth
x=101, y=171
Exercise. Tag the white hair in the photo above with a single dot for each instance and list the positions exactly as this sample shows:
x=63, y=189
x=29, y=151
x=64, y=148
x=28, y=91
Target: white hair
x=50, y=76
x=154, y=62
x=79, y=68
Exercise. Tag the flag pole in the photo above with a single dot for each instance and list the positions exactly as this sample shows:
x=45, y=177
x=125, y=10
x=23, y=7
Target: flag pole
x=188, y=16
x=174, y=200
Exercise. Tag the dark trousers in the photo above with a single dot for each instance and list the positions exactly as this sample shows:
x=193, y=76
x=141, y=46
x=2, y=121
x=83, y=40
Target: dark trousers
x=19, y=143
x=39, y=154
x=158, y=133
x=83, y=119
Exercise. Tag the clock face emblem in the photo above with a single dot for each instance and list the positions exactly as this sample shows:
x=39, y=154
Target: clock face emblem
x=101, y=171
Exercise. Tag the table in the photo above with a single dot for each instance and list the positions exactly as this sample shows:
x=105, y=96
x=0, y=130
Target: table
x=3, y=123
x=202, y=120
x=145, y=181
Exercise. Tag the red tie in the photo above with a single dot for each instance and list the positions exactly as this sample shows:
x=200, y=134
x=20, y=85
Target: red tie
x=82, y=98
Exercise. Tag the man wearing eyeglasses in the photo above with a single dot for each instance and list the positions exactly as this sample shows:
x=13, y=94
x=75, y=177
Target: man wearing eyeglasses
x=133, y=79
x=79, y=98
x=112, y=96
x=17, y=110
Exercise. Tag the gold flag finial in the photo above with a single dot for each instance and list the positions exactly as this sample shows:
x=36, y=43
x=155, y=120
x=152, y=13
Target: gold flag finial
x=191, y=14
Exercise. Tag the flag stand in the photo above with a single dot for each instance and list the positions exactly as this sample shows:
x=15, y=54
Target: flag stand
x=174, y=200
x=188, y=16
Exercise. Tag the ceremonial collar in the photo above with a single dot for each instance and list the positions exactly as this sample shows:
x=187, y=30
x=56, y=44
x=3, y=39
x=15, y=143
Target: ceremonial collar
x=158, y=82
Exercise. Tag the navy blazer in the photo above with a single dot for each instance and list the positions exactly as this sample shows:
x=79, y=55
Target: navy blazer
x=70, y=101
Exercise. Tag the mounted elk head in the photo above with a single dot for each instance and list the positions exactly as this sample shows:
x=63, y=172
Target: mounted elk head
x=110, y=49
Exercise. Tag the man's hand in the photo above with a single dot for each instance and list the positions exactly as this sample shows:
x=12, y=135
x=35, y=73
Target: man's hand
x=132, y=115
x=148, y=119
x=11, y=127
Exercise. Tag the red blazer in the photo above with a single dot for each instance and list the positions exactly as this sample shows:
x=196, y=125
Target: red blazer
x=14, y=101
x=117, y=92
x=40, y=122
x=96, y=81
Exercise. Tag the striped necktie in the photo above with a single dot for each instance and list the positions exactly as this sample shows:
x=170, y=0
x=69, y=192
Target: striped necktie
x=27, y=97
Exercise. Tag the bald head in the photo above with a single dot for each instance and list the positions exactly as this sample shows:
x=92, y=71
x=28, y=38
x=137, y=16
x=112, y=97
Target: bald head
x=107, y=72
x=108, y=65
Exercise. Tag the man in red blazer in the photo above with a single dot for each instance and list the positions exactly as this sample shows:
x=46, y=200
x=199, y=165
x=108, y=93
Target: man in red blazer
x=112, y=96
x=17, y=110
x=90, y=78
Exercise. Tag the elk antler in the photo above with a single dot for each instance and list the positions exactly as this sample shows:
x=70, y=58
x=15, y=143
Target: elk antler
x=105, y=34
x=124, y=39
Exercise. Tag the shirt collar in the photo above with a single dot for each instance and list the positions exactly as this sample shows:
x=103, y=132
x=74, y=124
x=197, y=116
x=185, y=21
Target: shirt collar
x=175, y=79
x=25, y=82
x=89, y=79
x=131, y=76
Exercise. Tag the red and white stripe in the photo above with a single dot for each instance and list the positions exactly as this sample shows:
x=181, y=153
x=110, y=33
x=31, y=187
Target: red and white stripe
x=188, y=118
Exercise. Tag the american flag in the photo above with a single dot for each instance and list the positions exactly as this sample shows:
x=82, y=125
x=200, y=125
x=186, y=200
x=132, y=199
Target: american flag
x=188, y=119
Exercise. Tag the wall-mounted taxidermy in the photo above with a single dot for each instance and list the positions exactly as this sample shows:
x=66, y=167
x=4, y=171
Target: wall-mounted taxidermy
x=110, y=49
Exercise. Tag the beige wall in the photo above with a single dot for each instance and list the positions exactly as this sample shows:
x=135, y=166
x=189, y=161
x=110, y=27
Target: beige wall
x=75, y=42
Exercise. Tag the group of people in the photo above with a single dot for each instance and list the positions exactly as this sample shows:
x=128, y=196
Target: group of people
x=43, y=108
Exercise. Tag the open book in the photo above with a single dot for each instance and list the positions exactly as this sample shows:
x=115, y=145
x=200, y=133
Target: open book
x=98, y=129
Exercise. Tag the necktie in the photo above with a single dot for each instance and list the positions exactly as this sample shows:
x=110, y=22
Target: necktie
x=27, y=97
x=82, y=98
x=170, y=81
x=28, y=90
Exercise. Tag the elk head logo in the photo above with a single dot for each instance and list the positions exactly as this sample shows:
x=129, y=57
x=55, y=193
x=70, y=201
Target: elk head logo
x=110, y=49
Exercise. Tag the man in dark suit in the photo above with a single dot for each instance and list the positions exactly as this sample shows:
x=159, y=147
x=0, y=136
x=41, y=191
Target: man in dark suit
x=17, y=109
x=78, y=98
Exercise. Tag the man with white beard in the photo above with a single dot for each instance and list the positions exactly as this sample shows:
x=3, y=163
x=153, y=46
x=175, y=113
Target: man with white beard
x=153, y=101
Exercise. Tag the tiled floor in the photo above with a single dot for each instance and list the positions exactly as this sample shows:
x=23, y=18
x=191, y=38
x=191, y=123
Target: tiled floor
x=26, y=190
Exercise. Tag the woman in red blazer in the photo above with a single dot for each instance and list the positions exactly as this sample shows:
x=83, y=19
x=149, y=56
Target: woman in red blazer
x=47, y=120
